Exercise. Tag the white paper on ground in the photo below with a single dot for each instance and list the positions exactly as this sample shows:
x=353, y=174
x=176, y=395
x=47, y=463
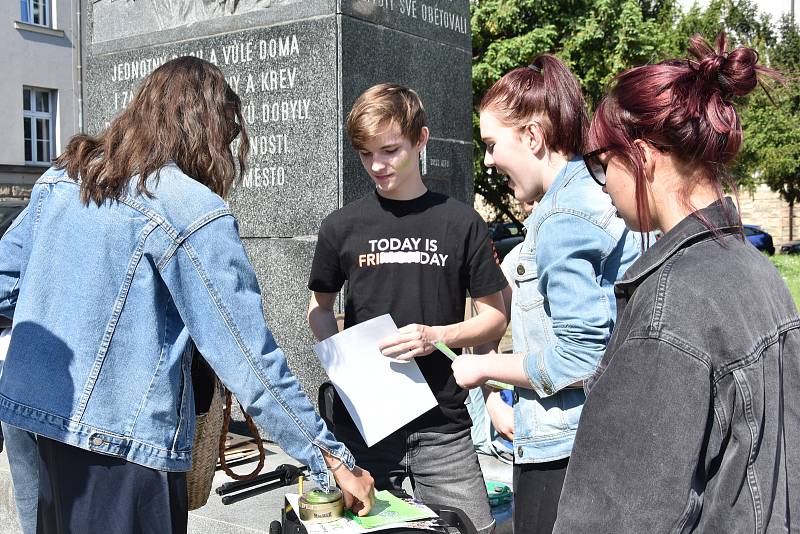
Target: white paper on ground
x=345, y=525
x=381, y=393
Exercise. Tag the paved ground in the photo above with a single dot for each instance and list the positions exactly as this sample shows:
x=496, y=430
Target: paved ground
x=252, y=515
x=255, y=514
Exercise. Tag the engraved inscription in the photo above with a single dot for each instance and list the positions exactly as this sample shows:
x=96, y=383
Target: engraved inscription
x=424, y=11
x=273, y=76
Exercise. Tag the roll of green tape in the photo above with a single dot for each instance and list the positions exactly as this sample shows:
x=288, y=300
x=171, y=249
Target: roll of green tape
x=321, y=506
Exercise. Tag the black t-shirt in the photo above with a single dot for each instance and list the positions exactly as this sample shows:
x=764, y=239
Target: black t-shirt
x=416, y=260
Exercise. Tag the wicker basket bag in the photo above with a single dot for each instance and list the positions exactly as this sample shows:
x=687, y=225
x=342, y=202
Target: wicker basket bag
x=205, y=450
x=212, y=415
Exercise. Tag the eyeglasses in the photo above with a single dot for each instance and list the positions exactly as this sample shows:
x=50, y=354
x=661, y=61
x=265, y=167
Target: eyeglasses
x=596, y=168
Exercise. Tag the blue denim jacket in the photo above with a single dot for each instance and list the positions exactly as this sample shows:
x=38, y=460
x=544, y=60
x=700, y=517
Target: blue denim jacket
x=564, y=308
x=104, y=302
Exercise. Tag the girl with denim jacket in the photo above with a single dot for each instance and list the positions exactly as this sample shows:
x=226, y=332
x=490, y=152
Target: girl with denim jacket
x=125, y=256
x=533, y=121
x=693, y=420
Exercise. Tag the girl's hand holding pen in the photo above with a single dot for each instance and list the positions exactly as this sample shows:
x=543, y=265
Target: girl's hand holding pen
x=469, y=370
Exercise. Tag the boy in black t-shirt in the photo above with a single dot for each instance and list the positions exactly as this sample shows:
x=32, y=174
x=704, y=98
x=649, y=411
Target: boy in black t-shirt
x=414, y=254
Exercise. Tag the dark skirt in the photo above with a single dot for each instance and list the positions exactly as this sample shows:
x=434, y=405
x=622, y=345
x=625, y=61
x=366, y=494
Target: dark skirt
x=537, y=488
x=82, y=491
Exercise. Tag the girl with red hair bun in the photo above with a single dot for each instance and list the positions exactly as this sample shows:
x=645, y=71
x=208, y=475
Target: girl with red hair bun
x=692, y=419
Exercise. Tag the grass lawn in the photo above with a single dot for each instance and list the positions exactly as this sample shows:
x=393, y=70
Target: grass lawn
x=789, y=267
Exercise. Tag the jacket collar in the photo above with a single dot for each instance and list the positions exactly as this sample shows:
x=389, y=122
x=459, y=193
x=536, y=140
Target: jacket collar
x=570, y=169
x=689, y=230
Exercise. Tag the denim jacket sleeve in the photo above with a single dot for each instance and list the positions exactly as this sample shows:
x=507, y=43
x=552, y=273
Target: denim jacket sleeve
x=13, y=257
x=216, y=293
x=634, y=465
x=569, y=254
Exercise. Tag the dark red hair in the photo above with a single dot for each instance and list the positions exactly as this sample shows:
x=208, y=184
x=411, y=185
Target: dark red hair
x=545, y=90
x=685, y=105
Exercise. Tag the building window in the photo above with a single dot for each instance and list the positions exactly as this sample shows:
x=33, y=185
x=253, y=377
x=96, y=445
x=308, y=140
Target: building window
x=35, y=12
x=38, y=118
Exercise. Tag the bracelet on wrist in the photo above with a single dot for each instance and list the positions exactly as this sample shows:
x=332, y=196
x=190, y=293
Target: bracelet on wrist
x=332, y=469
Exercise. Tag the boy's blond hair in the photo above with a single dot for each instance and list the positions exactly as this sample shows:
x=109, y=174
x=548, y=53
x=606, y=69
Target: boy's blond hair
x=380, y=106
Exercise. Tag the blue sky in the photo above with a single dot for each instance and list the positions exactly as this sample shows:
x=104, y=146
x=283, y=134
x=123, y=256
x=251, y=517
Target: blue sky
x=776, y=8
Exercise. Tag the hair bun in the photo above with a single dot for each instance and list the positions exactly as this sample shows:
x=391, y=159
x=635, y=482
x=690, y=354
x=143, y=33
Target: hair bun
x=710, y=66
x=733, y=74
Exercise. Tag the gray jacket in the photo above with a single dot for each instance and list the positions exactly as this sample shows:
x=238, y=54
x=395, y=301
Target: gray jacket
x=692, y=422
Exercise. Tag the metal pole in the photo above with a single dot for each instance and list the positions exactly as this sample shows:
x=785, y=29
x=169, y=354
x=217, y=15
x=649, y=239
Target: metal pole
x=258, y=490
x=78, y=47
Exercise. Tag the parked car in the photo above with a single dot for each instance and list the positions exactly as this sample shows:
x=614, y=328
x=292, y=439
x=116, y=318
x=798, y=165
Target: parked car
x=505, y=236
x=792, y=247
x=9, y=209
x=759, y=238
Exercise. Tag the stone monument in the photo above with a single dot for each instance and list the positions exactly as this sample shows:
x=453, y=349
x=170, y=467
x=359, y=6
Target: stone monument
x=298, y=65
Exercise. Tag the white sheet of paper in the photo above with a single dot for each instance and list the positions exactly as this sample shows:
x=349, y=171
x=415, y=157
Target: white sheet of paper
x=381, y=394
x=346, y=525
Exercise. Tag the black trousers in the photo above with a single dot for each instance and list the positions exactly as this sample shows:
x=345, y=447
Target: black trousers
x=537, y=488
x=83, y=491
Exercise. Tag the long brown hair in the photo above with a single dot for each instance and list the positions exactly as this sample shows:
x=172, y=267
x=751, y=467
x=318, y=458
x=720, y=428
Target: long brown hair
x=181, y=113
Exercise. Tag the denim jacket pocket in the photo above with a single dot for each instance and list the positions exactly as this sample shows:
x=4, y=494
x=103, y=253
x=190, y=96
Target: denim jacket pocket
x=552, y=415
x=531, y=326
x=526, y=282
x=544, y=428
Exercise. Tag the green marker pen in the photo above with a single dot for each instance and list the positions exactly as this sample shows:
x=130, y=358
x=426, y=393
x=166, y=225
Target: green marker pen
x=447, y=351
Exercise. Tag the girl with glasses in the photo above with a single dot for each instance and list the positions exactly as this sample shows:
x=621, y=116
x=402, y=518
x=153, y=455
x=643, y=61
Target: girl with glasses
x=533, y=121
x=692, y=420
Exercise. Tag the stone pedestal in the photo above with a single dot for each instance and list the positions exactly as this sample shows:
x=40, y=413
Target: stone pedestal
x=298, y=66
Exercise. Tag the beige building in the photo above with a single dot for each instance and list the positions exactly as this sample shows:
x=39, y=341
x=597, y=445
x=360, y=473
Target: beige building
x=39, y=87
x=765, y=208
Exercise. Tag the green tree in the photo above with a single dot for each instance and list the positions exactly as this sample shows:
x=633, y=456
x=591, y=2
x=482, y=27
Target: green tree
x=771, y=151
x=598, y=39
x=507, y=34
x=612, y=36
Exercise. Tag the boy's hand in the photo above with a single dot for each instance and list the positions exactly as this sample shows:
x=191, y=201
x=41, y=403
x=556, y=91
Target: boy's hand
x=468, y=370
x=411, y=341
